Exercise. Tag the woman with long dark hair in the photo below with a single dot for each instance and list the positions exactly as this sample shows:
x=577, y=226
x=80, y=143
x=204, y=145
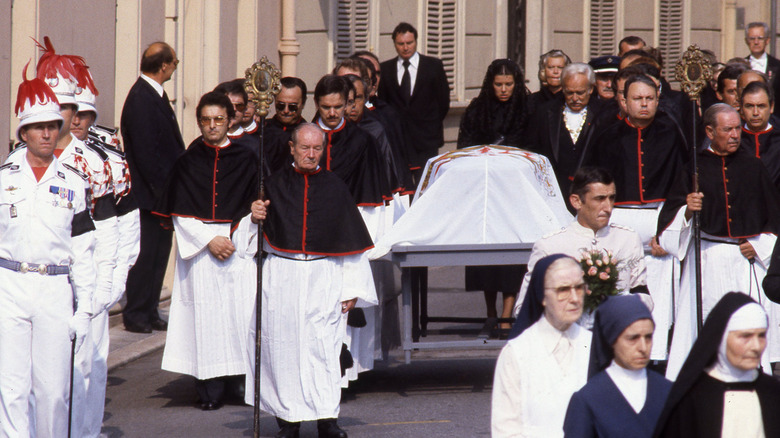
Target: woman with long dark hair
x=496, y=116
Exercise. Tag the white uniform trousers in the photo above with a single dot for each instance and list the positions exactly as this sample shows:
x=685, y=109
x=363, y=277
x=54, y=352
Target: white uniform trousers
x=91, y=373
x=35, y=354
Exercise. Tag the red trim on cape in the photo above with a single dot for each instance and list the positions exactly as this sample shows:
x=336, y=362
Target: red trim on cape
x=330, y=141
x=644, y=201
x=335, y=254
x=215, y=221
x=214, y=184
x=725, y=193
x=305, y=210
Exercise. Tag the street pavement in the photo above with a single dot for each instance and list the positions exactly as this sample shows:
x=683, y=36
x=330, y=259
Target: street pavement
x=440, y=394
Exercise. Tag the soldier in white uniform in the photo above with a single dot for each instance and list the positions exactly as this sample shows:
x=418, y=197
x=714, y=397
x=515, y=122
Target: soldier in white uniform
x=118, y=206
x=62, y=72
x=593, y=196
x=46, y=271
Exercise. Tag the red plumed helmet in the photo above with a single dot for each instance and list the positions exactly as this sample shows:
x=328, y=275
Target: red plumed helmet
x=86, y=90
x=35, y=102
x=59, y=71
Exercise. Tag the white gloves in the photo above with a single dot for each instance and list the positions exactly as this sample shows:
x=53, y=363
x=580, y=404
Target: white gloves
x=101, y=300
x=78, y=327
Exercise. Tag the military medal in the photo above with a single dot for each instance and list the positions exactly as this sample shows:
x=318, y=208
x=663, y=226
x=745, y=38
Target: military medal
x=64, y=196
x=13, y=211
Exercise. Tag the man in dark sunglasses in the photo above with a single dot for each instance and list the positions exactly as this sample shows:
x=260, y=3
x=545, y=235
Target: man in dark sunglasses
x=289, y=104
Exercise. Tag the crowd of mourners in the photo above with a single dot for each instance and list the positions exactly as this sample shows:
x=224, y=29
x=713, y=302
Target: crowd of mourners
x=654, y=180
x=86, y=220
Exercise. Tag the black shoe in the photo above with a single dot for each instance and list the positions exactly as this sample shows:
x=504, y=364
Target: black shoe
x=160, y=325
x=287, y=429
x=210, y=405
x=138, y=328
x=330, y=429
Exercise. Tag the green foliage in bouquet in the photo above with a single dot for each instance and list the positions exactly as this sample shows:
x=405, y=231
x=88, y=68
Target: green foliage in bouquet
x=601, y=276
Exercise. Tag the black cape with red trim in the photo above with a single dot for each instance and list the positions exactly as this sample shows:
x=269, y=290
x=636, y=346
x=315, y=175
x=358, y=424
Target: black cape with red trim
x=276, y=144
x=740, y=200
x=765, y=145
x=213, y=185
x=644, y=162
x=352, y=154
x=313, y=214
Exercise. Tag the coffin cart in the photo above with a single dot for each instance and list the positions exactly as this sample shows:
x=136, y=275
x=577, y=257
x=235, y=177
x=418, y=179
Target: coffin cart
x=483, y=205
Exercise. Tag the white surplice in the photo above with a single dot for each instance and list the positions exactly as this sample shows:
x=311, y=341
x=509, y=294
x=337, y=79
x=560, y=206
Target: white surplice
x=663, y=273
x=303, y=327
x=211, y=305
x=363, y=342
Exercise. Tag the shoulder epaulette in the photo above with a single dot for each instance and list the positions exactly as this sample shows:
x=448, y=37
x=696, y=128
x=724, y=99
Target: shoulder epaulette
x=6, y=166
x=110, y=131
x=553, y=233
x=622, y=227
x=18, y=147
x=98, y=150
x=76, y=171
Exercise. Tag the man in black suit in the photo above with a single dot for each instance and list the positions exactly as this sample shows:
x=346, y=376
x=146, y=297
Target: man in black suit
x=152, y=143
x=756, y=38
x=563, y=130
x=416, y=85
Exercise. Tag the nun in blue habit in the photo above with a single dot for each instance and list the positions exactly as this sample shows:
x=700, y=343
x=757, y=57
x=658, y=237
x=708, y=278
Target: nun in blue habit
x=622, y=399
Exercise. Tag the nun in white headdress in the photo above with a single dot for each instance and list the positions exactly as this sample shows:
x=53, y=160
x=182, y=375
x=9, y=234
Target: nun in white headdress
x=721, y=390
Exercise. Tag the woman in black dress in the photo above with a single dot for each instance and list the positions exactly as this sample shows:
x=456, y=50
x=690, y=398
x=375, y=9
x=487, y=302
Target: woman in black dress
x=496, y=116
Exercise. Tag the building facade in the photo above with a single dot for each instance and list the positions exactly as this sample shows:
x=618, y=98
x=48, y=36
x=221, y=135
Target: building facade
x=216, y=40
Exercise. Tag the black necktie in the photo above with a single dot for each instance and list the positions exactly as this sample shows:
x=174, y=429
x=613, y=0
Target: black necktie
x=406, y=82
x=168, y=104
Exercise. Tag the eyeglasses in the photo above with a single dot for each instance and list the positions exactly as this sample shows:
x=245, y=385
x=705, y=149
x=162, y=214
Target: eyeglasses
x=563, y=293
x=206, y=121
x=240, y=107
x=292, y=107
x=756, y=38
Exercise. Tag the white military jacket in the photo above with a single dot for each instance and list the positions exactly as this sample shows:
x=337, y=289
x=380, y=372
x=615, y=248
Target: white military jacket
x=623, y=242
x=48, y=221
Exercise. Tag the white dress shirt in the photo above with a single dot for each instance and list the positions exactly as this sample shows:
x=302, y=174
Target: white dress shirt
x=414, y=63
x=156, y=85
x=759, y=64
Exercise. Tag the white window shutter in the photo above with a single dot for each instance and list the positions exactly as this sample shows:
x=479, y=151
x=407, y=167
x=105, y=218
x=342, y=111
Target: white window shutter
x=670, y=34
x=603, y=24
x=352, y=21
x=441, y=20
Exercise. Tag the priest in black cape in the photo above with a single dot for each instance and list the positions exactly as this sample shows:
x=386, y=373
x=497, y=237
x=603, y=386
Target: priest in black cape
x=315, y=272
x=740, y=214
x=289, y=104
x=208, y=193
x=350, y=152
x=761, y=131
x=622, y=397
x=644, y=152
x=721, y=391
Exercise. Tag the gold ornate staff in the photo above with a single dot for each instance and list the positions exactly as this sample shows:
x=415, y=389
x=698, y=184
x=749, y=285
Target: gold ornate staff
x=263, y=82
x=693, y=71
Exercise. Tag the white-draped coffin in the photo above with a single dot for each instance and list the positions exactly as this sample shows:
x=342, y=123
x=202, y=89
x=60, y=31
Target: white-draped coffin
x=481, y=195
